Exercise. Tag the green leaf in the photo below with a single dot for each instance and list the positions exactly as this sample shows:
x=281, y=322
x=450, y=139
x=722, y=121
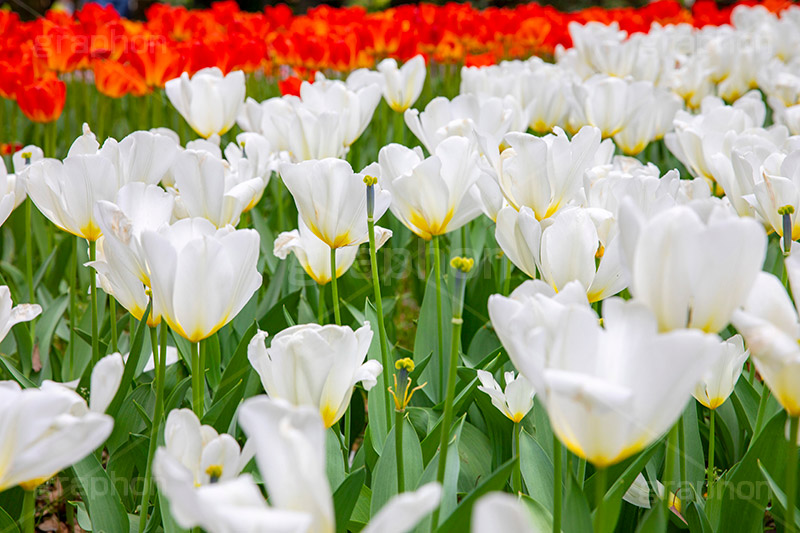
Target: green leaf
x=346, y=497
x=224, y=407
x=170, y=526
x=130, y=366
x=461, y=518
x=576, y=517
x=238, y=367
x=541, y=517
x=334, y=458
x=779, y=498
x=537, y=470
x=102, y=499
x=654, y=521
x=696, y=518
x=7, y=524
x=426, y=340
x=18, y=376
x=384, y=476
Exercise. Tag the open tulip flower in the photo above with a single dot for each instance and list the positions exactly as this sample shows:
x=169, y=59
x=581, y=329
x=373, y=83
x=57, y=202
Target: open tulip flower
x=517, y=398
x=718, y=384
x=314, y=255
x=332, y=201
x=201, y=276
x=315, y=365
x=401, y=86
x=209, y=100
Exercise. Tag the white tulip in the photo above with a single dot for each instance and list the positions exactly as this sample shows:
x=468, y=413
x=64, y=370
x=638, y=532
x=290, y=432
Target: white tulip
x=105, y=381
x=609, y=103
x=405, y=510
x=315, y=365
x=315, y=256
x=436, y=195
x=332, y=200
x=201, y=277
x=402, y=86
x=252, y=156
x=11, y=315
x=515, y=401
x=209, y=101
x=680, y=264
x=720, y=380
x=499, y=511
x=43, y=431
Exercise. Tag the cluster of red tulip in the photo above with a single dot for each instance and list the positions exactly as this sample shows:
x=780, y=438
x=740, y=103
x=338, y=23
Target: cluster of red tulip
x=124, y=57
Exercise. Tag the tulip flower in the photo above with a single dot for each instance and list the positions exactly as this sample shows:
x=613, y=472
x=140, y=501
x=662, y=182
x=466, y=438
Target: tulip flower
x=315, y=365
x=515, y=401
x=680, y=264
x=402, y=86
x=11, y=315
x=651, y=121
x=43, y=101
x=545, y=173
x=461, y=116
x=104, y=383
x=314, y=255
x=609, y=103
x=251, y=157
x=12, y=192
x=721, y=378
x=201, y=276
x=499, y=511
x=207, y=189
x=435, y=195
x=45, y=431
x=331, y=200
x=777, y=193
x=563, y=248
x=209, y=101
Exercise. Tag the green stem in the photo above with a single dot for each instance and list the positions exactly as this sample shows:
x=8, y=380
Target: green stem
x=347, y=423
x=28, y=515
x=712, y=441
x=516, y=477
x=112, y=312
x=752, y=375
x=197, y=381
x=93, y=286
x=398, y=446
x=681, y=455
x=557, y=492
x=437, y=269
x=335, y=289
x=791, y=474
x=507, y=278
x=73, y=304
x=600, y=477
x=151, y=450
x=581, y=471
x=376, y=286
x=29, y=265
x=669, y=466
x=762, y=411
x=321, y=305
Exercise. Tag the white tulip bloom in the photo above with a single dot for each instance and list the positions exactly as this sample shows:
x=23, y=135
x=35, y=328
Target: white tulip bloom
x=354, y=107
x=721, y=378
x=12, y=192
x=680, y=264
x=545, y=173
x=201, y=277
x=609, y=103
x=769, y=323
x=289, y=445
x=517, y=398
x=105, y=381
x=209, y=101
x=563, y=248
x=332, y=200
x=434, y=195
x=777, y=191
x=315, y=256
x=315, y=365
x=654, y=111
x=462, y=116
x=252, y=157
x=499, y=511
x=610, y=394
x=142, y=156
x=43, y=431
x=11, y=315
x=207, y=189
x=405, y=510
x=402, y=86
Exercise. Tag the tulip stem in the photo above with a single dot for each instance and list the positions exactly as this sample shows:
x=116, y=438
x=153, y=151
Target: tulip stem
x=376, y=285
x=600, y=477
x=321, y=306
x=29, y=266
x=681, y=456
x=398, y=445
x=159, y=361
x=516, y=477
x=437, y=269
x=73, y=303
x=791, y=474
x=335, y=288
x=197, y=380
x=669, y=466
x=557, y=494
x=112, y=312
x=447, y=417
x=762, y=411
x=28, y=515
x=507, y=277
x=712, y=438
x=581, y=471
x=93, y=286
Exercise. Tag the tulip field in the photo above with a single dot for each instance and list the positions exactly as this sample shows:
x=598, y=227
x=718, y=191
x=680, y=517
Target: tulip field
x=429, y=269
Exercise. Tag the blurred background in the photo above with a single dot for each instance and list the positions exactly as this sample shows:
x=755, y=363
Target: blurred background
x=135, y=8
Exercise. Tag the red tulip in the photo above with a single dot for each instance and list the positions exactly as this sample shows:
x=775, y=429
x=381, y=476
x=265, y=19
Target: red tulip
x=43, y=101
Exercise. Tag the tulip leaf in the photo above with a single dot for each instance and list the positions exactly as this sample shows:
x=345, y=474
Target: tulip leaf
x=653, y=521
x=576, y=515
x=426, y=340
x=238, y=367
x=102, y=499
x=178, y=394
x=696, y=518
x=7, y=524
x=46, y=327
x=170, y=526
x=346, y=497
x=541, y=519
x=537, y=470
x=460, y=519
x=450, y=485
x=378, y=396
x=18, y=376
x=274, y=319
x=779, y=501
x=334, y=458
x=130, y=366
x=384, y=476
x=213, y=361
